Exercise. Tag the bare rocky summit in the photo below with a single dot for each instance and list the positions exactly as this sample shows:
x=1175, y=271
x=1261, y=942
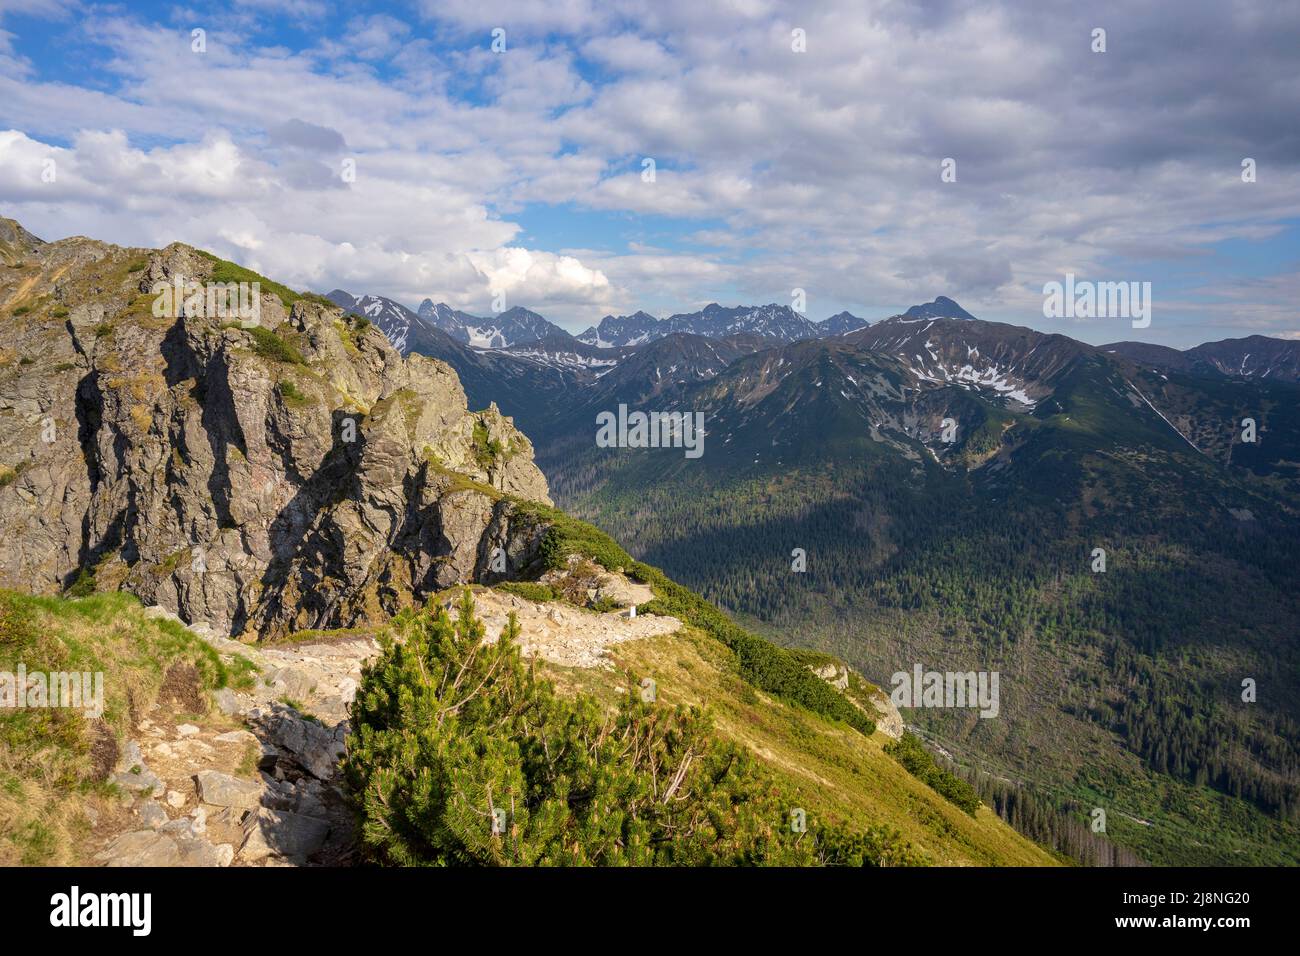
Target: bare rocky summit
x=296, y=474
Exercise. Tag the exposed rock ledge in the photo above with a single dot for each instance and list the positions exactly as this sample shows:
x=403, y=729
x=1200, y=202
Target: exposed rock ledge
x=888, y=720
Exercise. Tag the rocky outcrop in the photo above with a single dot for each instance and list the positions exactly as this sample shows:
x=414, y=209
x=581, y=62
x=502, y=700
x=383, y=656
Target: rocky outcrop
x=863, y=695
x=293, y=472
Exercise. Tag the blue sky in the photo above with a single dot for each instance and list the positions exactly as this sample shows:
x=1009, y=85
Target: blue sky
x=776, y=168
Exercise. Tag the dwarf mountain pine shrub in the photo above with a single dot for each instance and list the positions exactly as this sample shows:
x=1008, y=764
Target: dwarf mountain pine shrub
x=462, y=754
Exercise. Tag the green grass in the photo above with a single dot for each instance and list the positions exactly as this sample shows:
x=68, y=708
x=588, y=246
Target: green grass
x=272, y=346
x=83, y=585
x=530, y=590
x=487, y=451
x=831, y=771
x=223, y=270
x=292, y=395
x=762, y=663
x=317, y=298
x=461, y=482
x=47, y=769
x=248, y=760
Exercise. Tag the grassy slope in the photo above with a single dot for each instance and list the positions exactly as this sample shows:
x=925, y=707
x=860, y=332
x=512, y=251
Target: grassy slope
x=841, y=772
x=47, y=768
x=835, y=771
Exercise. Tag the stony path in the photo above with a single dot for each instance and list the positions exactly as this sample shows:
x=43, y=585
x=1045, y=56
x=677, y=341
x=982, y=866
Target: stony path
x=562, y=633
x=255, y=782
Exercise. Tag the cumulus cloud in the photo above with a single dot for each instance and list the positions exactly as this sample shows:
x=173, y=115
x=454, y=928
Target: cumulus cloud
x=816, y=169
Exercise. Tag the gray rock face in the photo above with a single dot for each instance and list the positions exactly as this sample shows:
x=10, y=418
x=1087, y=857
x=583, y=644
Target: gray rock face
x=293, y=836
x=154, y=848
x=143, y=848
x=315, y=747
x=300, y=474
x=153, y=816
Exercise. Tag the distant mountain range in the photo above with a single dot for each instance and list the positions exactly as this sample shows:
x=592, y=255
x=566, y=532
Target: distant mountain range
x=517, y=326
x=949, y=479
x=779, y=323
x=510, y=327
x=1255, y=356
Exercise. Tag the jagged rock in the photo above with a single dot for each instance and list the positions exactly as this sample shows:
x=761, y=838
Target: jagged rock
x=268, y=757
x=886, y=716
x=348, y=690
x=199, y=852
x=223, y=790
x=175, y=799
x=316, y=748
x=181, y=827
x=188, y=730
x=834, y=674
x=293, y=836
x=291, y=682
x=131, y=756
x=888, y=720
x=299, y=475
x=279, y=794
x=226, y=701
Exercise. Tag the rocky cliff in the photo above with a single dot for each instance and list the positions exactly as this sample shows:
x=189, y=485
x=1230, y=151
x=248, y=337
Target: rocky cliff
x=262, y=474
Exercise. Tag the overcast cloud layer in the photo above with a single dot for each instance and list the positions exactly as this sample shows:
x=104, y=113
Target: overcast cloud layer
x=522, y=171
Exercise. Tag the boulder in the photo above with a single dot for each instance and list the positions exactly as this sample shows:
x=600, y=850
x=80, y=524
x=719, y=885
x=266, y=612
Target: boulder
x=223, y=790
x=294, y=836
x=142, y=848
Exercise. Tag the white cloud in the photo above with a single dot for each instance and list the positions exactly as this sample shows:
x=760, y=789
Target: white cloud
x=818, y=169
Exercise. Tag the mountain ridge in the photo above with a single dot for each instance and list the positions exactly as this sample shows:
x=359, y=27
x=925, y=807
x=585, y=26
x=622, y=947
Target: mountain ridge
x=289, y=477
